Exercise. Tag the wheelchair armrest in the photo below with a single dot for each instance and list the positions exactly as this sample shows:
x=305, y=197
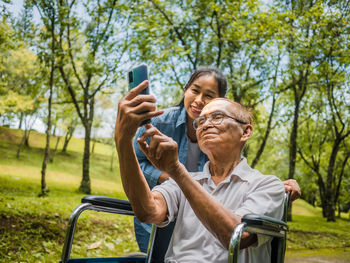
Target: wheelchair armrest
x=256, y=224
x=107, y=202
x=94, y=203
x=264, y=222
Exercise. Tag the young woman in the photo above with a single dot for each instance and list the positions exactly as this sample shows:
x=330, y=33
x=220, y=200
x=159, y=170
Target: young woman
x=205, y=84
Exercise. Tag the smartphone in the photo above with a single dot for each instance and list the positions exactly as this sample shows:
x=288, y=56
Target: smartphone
x=135, y=77
x=138, y=75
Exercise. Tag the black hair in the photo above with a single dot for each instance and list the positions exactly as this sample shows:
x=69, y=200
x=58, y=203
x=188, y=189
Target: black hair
x=208, y=70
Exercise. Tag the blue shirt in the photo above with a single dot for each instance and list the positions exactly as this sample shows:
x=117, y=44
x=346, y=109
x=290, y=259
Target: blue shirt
x=173, y=124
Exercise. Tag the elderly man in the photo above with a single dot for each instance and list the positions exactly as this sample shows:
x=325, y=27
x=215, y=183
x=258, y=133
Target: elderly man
x=209, y=204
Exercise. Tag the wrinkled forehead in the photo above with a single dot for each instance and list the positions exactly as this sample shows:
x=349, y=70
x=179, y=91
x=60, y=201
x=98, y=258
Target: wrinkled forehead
x=218, y=105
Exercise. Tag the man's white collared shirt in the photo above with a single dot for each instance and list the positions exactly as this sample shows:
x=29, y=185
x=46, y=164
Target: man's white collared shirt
x=245, y=191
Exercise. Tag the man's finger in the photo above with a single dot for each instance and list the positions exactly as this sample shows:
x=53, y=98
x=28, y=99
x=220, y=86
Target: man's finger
x=149, y=132
x=143, y=146
x=135, y=91
x=143, y=108
x=156, y=139
x=141, y=99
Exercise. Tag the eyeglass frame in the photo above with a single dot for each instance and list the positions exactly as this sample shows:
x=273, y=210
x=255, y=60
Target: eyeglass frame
x=210, y=119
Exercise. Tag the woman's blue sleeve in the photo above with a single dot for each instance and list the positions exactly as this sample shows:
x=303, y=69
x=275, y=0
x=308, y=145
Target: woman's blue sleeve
x=149, y=171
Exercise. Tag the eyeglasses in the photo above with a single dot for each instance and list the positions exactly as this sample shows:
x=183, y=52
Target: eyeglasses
x=214, y=118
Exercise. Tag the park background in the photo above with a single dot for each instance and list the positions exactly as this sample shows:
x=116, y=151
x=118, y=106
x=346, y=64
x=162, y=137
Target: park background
x=63, y=68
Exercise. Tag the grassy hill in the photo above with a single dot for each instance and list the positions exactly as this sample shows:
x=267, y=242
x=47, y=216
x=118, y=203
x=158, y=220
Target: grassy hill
x=32, y=228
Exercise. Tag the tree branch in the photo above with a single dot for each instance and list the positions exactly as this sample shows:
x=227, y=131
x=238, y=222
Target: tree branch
x=175, y=29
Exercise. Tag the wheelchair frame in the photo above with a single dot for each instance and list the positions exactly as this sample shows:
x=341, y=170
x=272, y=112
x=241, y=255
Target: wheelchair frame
x=251, y=223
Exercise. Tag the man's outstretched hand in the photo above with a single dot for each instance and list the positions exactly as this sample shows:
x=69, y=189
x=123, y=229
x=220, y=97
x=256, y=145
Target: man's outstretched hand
x=133, y=109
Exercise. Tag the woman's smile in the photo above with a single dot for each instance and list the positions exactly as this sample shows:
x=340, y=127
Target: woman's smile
x=195, y=110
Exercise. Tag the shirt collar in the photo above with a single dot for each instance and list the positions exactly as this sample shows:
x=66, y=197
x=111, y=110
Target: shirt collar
x=242, y=170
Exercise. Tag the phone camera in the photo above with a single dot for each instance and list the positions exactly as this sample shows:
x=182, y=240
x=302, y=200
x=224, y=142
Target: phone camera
x=131, y=78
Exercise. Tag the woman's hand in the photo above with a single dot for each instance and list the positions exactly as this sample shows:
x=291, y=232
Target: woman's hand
x=163, y=177
x=292, y=186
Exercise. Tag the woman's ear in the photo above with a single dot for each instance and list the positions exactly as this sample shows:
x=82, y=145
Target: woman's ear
x=247, y=132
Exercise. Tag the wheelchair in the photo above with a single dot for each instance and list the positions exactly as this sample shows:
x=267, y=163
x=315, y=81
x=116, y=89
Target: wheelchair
x=160, y=237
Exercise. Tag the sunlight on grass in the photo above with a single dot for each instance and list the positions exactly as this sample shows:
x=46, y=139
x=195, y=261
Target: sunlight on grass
x=327, y=254
x=32, y=174
x=300, y=207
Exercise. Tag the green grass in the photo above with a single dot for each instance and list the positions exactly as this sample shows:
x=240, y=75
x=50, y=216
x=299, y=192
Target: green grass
x=313, y=231
x=311, y=236
x=71, y=161
x=32, y=228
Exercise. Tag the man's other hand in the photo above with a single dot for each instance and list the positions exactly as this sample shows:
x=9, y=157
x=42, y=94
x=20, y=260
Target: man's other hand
x=161, y=150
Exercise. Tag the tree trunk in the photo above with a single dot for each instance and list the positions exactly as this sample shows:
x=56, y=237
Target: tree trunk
x=85, y=185
x=44, y=188
x=322, y=190
x=67, y=138
x=20, y=121
x=293, y=146
x=93, y=146
x=330, y=192
x=54, y=130
x=26, y=138
x=266, y=136
x=52, y=155
x=19, y=149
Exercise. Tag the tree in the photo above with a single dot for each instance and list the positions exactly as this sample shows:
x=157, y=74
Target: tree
x=330, y=116
x=91, y=67
x=20, y=87
x=49, y=14
x=301, y=52
x=176, y=37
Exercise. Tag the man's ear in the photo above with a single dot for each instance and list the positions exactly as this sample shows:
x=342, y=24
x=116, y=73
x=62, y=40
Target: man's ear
x=247, y=132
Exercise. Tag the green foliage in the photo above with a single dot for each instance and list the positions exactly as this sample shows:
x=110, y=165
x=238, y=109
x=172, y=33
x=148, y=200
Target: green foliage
x=21, y=91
